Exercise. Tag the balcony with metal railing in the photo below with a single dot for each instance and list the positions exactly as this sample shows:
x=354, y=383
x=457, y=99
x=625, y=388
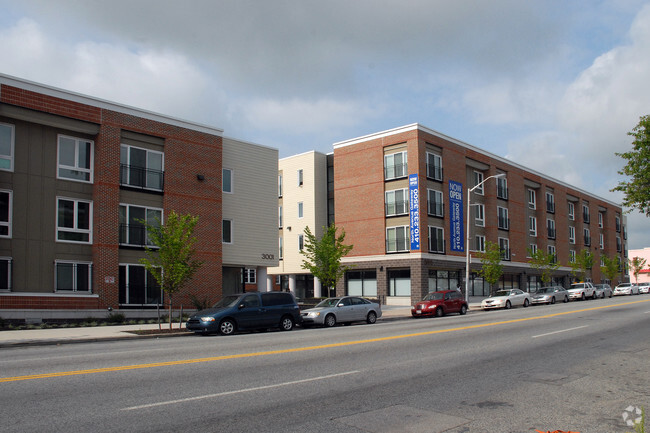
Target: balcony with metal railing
x=141, y=178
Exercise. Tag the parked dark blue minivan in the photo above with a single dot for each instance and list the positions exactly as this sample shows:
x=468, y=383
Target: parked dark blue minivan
x=253, y=310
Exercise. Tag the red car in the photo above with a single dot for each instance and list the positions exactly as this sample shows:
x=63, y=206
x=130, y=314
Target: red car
x=440, y=303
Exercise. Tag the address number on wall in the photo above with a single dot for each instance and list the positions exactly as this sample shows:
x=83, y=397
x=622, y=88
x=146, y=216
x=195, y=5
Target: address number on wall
x=268, y=256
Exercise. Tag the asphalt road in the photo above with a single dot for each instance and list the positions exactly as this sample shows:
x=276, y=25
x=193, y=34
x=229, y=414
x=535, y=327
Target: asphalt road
x=573, y=366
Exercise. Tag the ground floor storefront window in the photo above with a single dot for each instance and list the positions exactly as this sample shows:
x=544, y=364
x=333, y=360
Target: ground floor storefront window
x=362, y=283
x=399, y=282
x=443, y=280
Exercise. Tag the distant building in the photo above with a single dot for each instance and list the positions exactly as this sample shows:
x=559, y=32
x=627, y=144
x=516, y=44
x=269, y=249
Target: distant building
x=78, y=175
x=644, y=275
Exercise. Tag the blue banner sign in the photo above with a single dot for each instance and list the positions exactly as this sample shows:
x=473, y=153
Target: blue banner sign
x=414, y=207
x=456, y=216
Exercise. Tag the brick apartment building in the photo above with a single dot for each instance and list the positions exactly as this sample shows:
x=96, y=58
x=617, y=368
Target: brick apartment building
x=78, y=174
x=405, y=213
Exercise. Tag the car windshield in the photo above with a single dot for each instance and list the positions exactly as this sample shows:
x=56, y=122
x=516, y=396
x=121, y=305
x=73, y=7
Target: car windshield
x=434, y=296
x=502, y=293
x=329, y=302
x=227, y=301
x=624, y=285
x=578, y=286
x=544, y=290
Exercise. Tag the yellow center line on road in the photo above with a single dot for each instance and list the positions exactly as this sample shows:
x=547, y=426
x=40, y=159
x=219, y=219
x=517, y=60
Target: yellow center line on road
x=297, y=349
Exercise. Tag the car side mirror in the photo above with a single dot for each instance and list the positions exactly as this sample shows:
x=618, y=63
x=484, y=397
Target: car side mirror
x=241, y=306
x=340, y=305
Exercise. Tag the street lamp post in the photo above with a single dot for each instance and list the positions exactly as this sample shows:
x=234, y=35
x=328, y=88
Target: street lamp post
x=467, y=256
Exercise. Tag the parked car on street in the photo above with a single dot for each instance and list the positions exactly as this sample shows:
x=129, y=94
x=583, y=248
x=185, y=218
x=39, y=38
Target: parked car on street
x=252, y=310
x=603, y=291
x=582, y=291
x=644, y=288
x=344, y=309
x=506, y=299
x=626, y=289
x=440, y=303
x=549, y=295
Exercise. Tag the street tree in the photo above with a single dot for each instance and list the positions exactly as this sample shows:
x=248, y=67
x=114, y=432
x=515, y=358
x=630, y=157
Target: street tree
x=636, y=189
x=611, y=267
x=584, y=262
x=491, y=269
x=544, y=262
x=323, y=256
x=636, y=266
x=172, y=263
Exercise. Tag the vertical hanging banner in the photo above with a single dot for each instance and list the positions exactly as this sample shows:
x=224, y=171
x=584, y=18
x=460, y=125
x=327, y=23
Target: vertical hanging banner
x=414, y=208
x=456, y=216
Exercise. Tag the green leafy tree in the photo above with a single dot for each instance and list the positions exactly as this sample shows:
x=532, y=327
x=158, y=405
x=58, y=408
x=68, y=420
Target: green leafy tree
x=637, y=189
x=172, y=264
x=583, y=263
x=544, y=262
x=491, y=269
x=636, y=265
x=611, y=267
x=323, y=256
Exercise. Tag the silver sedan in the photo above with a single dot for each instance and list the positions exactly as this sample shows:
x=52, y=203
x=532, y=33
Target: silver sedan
x=506, y=299
x=345, y=309
x=550, y=295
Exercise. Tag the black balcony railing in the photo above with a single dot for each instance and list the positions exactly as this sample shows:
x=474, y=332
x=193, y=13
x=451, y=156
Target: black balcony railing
x=504, y=223
x=502, y=192
x=505, y=253
x=550, y=231
x=550, y=207
x=140, y=177
x=134, y=235
x=434, y=172
x=436, y=209
x=400, y=207
x=395, y=171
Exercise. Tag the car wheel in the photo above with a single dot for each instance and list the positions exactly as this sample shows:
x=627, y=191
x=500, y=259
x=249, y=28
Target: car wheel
x=526, y=303
x=330, y=320
x=553, y=300
x=439, y=312
x=566, y=299
x=463, y=310
x=508, y=305
x=371, y=318
x=286, y=324
x=582, y=298
x=227, y=327
x=594, y=296
x=611, y=294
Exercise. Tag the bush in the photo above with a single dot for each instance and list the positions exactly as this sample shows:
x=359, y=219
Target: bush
x=115, y=318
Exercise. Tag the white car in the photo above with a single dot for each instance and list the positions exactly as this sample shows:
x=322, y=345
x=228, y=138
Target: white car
x=644, y=288
x=582, y=291
x=506, y=299
x=626, y=289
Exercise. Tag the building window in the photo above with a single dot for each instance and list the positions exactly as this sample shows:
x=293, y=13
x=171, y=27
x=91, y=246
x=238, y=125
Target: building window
x=550, y=228
x=7, y=140
x=281, y=247
x=478, y=179
x=300, y=209
x=141, y=168
x=226, y=180
x=5, y=273
x=133, y=224
x=434, y=203
x=572, y=256
x=504, y=221
x=280, y=185
x=618, y=224
x=585, y=213
x=75, y=159
x=138, y=286
x=619, y=245
x=502, y=188
x=280, y=216
x=532, y=199
x=6, y=212
x=587, y=236
x=572, y=235
x=300, y=177
x=601, y=241
x=301, y=242
x=397, y=239
x=226, y=231
x=74, y=220
x=395, y=165
x=479, y=212
x=600, y=220
x=572, y=211
x=73, y=276
x=434, y=166
x=249, y=276
x=532, y=250
x=480, y=243
x=397, y=202
x=436, y=240
x=550, y=202
x=552, y=253
x=504, y=247
x=362, y=283
x=532, y=226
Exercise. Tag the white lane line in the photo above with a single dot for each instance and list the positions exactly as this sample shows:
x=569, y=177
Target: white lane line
x=239, y=391
x=557, y=332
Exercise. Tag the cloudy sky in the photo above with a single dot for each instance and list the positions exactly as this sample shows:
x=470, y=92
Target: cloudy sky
x=553, y=85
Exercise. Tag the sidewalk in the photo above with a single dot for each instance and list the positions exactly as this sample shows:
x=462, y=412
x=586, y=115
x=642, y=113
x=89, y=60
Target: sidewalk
x=55, y=336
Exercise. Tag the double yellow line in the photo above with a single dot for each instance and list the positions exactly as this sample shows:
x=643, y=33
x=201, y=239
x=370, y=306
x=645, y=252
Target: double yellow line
x=298, y=349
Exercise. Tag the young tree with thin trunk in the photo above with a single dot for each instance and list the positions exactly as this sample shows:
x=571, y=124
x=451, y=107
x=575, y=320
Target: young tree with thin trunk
x=636, y=265
x=491, y=269
x=323, y=256
x=545, y=263
x=611, y=267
